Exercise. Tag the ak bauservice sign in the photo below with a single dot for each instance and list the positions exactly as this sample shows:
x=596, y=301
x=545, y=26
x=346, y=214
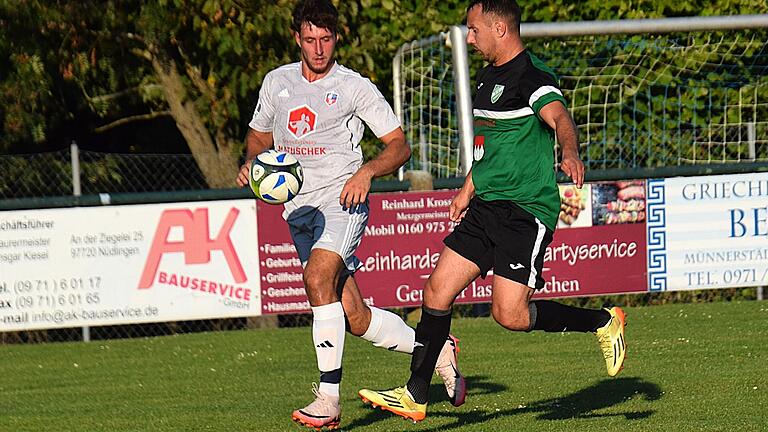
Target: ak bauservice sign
x=128, y=264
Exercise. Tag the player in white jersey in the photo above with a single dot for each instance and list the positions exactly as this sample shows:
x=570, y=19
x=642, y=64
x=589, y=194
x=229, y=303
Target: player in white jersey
x=315, y=110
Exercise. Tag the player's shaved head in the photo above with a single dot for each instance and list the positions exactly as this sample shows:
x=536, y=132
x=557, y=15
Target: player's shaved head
x=320, y=13
x=508, y=10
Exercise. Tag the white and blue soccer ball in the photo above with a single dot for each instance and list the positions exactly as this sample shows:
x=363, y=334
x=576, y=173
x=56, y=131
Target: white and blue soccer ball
x=276, y=177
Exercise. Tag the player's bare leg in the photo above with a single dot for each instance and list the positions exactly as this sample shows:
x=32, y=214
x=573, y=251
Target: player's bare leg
x=357, y=312
x=509, y=304
x=321, y=277
x=452, y=274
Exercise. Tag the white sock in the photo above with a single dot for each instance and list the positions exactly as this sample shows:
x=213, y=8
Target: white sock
x=389, y=331
x=328, y=330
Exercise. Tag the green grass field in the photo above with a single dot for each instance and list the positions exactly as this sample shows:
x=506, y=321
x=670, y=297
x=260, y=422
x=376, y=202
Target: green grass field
x=691, y=367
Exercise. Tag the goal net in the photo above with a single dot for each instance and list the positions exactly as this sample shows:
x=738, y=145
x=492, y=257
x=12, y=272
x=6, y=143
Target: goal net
x=426, y=103
x=639, y=101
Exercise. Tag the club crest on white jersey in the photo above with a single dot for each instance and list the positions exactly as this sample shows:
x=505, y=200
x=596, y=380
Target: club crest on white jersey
x=331, y=98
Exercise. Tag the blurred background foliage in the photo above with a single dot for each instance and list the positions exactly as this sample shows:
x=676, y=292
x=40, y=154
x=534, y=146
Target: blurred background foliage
x=182, y=76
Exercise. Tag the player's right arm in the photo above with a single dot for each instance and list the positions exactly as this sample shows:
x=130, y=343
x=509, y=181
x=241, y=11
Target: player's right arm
x=259, y=137
x=461, y=201
x=255, y=142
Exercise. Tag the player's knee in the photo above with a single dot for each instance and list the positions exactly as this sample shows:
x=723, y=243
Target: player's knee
x=432, y=293
x=429, y=289
x=315, y=282
x=511, y=319
x=319, y=289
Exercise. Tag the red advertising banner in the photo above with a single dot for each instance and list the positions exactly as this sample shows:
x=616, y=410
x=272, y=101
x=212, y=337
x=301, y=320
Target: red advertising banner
x=588, y=256
x=403, y=240
x=602, y=259
x=282, y=287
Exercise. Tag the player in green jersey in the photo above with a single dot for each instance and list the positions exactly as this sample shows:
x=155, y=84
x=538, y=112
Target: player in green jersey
x=508, y=208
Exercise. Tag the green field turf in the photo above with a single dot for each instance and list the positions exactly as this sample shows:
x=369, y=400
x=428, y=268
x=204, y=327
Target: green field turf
x=699, y=367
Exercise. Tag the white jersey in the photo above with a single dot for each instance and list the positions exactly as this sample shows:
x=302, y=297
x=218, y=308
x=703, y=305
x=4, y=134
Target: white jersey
x=321, y=123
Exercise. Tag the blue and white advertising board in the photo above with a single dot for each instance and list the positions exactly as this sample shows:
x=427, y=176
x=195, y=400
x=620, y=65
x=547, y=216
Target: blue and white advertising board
x=708, y=232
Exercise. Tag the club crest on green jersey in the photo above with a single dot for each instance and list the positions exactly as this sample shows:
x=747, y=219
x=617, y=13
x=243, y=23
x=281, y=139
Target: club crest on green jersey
x=479, y=148
x=498, y=89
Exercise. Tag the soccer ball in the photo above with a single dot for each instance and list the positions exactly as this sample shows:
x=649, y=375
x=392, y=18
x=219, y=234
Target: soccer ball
x=276, y=177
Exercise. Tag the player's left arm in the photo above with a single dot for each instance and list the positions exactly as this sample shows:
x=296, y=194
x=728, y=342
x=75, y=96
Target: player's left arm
x=558, y=118
x=396, y=152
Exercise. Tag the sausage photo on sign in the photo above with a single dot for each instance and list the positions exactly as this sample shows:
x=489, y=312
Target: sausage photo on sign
x=618, y=202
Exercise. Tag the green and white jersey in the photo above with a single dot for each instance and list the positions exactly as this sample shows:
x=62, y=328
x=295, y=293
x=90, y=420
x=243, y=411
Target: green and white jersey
x=513, y=146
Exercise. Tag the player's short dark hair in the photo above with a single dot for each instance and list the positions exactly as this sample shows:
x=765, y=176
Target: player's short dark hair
x=507, y=9
x=320, y=13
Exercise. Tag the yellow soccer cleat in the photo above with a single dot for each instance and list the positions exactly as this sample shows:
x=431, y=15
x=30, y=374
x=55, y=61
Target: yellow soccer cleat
x=397, y=401
x=612, y=341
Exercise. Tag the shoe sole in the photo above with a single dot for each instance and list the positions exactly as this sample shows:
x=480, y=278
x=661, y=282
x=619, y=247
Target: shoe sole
x=460, y=392
x=332, y=425
x=386, y=408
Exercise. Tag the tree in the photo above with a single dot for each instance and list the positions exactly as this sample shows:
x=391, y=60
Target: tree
x=81, y=68
x=101, y=65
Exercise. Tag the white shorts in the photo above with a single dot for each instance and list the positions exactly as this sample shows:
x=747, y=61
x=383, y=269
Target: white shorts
x=327, y=226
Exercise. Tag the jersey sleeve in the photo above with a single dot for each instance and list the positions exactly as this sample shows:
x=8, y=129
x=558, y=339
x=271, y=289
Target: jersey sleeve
x=264, y=114
x=373, y=109
x=540, y=88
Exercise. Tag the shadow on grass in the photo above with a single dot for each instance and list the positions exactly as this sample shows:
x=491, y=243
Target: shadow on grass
x=604, y=394
x=582, y=404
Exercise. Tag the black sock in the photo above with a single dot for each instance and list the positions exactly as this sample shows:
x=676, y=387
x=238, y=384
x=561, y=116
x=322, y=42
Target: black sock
x=555, y=317
x=431, y=333
x=331, y=377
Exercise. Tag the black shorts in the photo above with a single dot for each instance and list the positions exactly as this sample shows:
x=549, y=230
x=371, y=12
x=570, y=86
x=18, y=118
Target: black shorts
x=500, y=235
